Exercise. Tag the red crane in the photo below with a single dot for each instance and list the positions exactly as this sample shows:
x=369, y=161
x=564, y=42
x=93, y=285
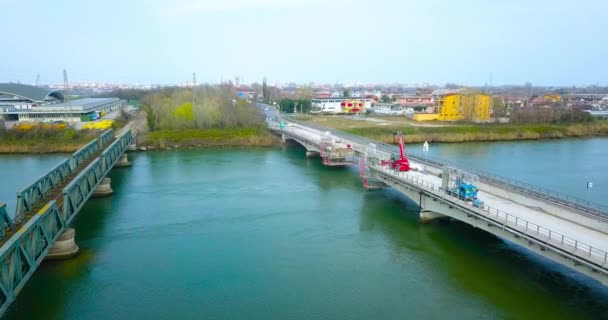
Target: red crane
x=401, y=164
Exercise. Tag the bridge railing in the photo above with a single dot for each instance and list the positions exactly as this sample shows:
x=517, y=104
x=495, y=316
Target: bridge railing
x=24, y=250
x=20, y=256
x=32, y=195
x=5, y=220
x=105, y=137
x=85, y=152
x=568, y=245
x=585, y=207
x=78, y=191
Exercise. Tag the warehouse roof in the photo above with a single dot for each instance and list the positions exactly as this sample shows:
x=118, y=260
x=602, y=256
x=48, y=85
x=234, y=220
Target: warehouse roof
x=31, y=93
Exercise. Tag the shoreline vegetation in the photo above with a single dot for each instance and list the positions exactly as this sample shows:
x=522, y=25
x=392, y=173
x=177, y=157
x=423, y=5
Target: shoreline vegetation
x=44, y=140
x=461, y=132
x=210, y=116
x=207, y=138
x=207, y=116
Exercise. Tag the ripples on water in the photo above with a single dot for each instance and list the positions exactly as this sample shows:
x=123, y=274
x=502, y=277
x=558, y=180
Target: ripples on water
x=261, y=234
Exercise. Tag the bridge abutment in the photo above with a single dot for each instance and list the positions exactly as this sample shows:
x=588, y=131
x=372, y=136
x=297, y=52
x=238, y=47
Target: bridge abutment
x=103, y=189
x=65, y=247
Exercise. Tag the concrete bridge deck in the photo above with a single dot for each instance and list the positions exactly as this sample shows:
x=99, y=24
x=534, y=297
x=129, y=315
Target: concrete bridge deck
x=572, y=233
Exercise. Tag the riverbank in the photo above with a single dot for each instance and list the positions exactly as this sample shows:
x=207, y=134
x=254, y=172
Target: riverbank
x=48, y=138
x=44, y=141
x=202, y=138
x=382, y=130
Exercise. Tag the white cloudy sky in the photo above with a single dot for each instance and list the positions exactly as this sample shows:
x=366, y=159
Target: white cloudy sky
x=547, y=42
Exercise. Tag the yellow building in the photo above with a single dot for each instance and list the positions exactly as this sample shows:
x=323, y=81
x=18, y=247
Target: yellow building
x=554, y=98
x=480, y=106
x=469, y=107
x=449, y=107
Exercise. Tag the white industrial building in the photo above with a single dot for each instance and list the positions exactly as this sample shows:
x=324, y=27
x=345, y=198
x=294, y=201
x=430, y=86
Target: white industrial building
x=391, y=109
x=19, y=102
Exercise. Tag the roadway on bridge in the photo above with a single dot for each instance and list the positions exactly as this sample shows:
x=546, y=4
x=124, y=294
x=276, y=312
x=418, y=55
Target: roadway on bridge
x=565, y=227
x=537, y=216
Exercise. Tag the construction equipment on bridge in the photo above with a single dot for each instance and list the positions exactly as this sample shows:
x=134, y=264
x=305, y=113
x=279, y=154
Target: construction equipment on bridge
x=401, y=163
x=463, y=187
x=335, y=153
x=369, y=159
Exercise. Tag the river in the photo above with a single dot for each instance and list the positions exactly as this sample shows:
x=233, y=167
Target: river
x=269, y=234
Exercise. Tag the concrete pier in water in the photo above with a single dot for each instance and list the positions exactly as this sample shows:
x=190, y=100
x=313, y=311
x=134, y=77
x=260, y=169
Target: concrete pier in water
x=310, y=154
x=123, y=162
x=103, y=189
x=65, y=247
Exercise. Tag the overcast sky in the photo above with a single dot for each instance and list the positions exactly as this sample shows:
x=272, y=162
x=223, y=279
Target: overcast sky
x=547, y=42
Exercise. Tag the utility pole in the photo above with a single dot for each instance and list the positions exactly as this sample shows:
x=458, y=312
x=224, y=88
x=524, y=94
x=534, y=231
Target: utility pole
x=265, y=91
x=65, y=95
x=193, y=87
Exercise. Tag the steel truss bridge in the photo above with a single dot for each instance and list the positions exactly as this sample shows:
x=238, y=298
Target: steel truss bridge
x=46, y=208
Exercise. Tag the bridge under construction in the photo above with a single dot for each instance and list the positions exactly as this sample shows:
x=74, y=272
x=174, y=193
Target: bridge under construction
x=570, y=231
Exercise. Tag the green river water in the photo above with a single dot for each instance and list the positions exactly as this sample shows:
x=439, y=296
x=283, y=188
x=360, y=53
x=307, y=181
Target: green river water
x=269, y=234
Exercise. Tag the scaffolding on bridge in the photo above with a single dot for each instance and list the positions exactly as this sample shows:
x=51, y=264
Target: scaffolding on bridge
x=370, y=158
x=335, y=153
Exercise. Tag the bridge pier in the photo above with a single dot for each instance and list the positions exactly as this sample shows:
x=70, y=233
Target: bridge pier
x=428, y=216
x=65, y=247
x=310, y=154
x=123, y=162
x=103, y=189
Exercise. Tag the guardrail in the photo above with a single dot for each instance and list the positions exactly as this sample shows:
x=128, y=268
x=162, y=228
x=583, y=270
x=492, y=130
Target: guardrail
x=585, y=207
x=598, y=257
x=294, y=135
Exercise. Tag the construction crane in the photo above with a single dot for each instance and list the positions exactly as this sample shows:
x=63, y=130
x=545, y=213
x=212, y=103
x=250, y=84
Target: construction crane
x=402, y=163
x=37, y=80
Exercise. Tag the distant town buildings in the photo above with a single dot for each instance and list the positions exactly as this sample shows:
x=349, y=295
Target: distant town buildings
x=340, y=105
x=425, y=100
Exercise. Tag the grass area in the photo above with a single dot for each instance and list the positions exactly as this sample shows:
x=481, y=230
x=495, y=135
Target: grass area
x=382, y=129
x=44, y=140
x=258, y=137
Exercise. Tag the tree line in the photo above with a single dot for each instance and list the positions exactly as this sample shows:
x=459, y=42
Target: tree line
x=202, y=107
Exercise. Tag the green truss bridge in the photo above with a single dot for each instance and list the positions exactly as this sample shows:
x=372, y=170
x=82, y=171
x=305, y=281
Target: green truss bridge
x=46, y=208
